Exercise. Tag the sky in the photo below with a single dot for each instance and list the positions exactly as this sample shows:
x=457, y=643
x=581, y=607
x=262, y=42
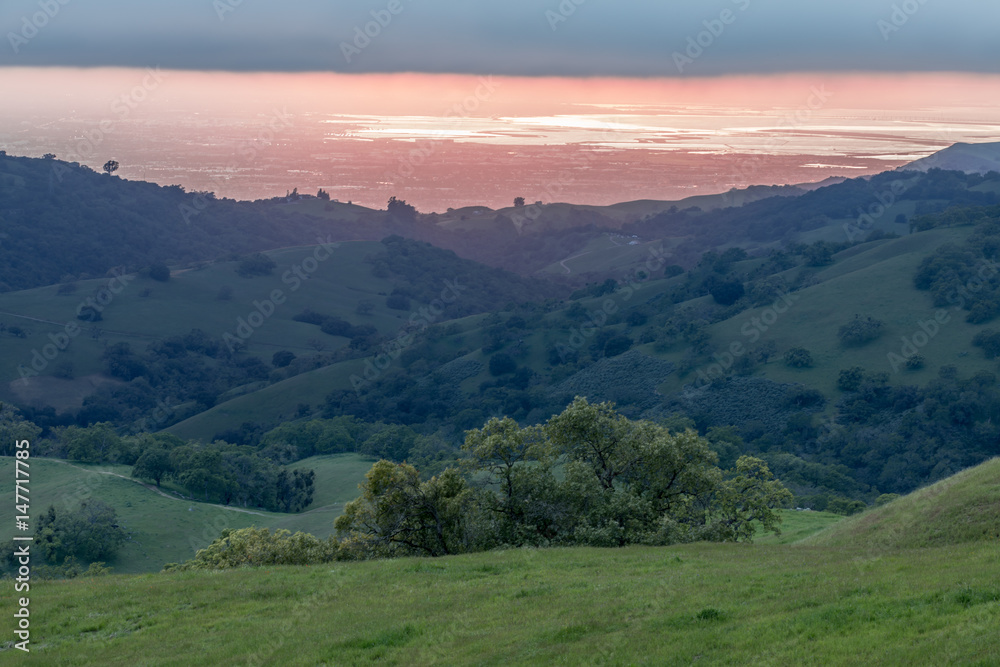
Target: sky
x=632, y=38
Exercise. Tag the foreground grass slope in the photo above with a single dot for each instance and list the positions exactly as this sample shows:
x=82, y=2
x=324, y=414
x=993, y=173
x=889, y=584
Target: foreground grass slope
x=714, y=604
x=962, y=508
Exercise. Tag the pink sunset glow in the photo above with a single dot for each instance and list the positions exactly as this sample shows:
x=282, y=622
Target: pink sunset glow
x=444, y=141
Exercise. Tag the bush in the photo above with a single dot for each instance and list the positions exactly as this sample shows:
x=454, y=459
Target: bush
x=501, y=364
x=798, y=357
x=257, y=264
x=255, y=547
x=727, y=293
x=673, y=270
x=310, y=316
x=819, y=254
x=334, y=326
x=989, y=341
x=159, y=272
x=983, y=311
x=282, y=359
x=617, y=345
x=885, y=499
x=860, y=330
x=845, y=506
x=91, y=533
x=850, y=379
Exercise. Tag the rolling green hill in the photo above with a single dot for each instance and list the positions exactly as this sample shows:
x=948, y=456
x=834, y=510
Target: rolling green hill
x=166, y=525
x=145, y=311
x=960, y=509
x=335, y=281
x=832, y=296
x=836, y=294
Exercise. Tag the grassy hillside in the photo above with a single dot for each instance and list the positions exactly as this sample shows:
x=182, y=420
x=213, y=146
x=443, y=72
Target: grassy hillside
x=221, y=303
x=170, y=529
x=841, y=291
x=962, y=508
x=271, y=404
x=710, y=604
x=146, y=310
x=836, y=293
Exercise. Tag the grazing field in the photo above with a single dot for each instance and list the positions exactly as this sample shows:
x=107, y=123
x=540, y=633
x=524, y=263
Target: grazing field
x=701, y=603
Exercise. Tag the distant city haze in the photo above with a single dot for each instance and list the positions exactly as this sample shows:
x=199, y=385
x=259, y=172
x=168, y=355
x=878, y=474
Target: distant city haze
x=448, y=141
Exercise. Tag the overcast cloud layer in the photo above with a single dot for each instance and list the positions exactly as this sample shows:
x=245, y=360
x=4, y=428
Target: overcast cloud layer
x=514, y=37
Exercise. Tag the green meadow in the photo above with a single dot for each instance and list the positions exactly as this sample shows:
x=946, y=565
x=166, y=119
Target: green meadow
x=701, y=603
x=827, y=592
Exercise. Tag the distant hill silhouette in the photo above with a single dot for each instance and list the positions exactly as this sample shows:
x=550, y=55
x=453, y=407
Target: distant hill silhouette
x=970, y=158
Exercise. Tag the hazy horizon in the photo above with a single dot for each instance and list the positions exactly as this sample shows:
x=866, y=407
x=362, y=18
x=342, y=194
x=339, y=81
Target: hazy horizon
x=443, y=141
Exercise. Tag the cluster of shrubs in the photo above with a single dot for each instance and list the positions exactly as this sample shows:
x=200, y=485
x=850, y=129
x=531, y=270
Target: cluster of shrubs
x=257, y=264
x=89, y=533
x=362, y=336
x=966, y=276
x=860, y=330
x=621, y=483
